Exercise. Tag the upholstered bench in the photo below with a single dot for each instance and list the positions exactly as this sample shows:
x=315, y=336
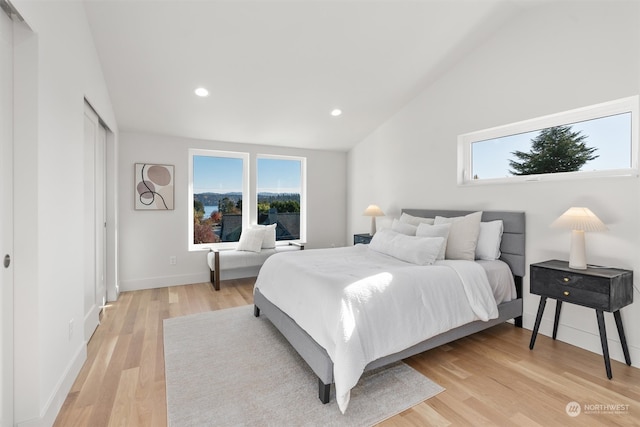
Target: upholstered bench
x=234, y=264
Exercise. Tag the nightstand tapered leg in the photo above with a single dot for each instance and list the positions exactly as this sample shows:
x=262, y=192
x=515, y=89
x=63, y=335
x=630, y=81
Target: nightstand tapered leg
x=556, y=321
x=534, y=334
x=603, y=340
x=623, y=339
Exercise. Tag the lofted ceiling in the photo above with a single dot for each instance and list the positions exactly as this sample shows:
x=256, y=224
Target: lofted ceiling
x=276, y=69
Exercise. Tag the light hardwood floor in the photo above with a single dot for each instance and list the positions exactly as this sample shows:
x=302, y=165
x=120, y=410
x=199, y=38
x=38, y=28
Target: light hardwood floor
x=491, y=378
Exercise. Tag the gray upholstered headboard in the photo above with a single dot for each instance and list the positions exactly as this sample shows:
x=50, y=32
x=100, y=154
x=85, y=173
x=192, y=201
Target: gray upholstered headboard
x=513, y=237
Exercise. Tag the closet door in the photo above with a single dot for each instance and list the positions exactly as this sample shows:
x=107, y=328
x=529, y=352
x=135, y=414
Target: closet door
x=6, y=219
x=101, y=215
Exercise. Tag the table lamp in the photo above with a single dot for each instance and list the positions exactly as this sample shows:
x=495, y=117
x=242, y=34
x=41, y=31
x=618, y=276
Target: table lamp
x=579, y=220
x=373, y=211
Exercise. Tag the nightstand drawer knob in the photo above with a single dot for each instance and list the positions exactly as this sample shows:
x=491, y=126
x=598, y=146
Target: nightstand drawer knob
x=566, y=293
x=566, y=279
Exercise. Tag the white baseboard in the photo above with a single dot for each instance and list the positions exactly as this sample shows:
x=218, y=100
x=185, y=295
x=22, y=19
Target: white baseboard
x=91, y=322
x=163, y=282
x=53, y=405
x=185, y=279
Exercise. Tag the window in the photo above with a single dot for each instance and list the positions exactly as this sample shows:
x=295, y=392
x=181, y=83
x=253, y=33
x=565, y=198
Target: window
x=219, y=185
x=600, y=140
x=223, y=200
x=280, y=195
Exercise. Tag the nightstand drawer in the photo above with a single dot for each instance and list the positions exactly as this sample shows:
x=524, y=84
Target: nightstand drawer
x=576, y=281
x=576, y=295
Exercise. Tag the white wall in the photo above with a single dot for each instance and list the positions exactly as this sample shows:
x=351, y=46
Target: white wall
x=149, y=238
x=59, y=67
x=555, y=57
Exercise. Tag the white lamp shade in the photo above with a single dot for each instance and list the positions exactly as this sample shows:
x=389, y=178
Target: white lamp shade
x=579, y=219
x=373, y=210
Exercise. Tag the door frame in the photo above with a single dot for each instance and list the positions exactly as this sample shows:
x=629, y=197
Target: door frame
x=95, y=294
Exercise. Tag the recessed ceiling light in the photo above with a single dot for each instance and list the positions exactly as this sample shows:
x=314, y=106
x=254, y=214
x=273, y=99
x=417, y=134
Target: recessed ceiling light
x=201, y=92
x=336, y=112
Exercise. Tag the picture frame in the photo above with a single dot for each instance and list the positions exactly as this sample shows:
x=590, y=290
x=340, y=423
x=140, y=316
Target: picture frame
x=153, y=186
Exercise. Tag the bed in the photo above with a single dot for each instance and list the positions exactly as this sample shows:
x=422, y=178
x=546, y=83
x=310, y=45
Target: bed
x=304, y=315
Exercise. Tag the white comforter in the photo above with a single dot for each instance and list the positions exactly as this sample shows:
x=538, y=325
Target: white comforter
x=361, y=305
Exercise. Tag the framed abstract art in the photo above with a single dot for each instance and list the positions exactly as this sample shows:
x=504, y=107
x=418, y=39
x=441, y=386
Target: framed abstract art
x=154, y=187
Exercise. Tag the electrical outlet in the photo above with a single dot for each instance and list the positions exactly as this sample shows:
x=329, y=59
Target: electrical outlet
x=172, y=260
x=70, y=329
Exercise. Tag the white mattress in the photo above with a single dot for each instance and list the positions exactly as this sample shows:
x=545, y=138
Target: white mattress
x=361, y=305
x=501, y=280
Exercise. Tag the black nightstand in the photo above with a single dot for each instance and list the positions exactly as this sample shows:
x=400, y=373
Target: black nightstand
x=362, y=238
x=600, y=288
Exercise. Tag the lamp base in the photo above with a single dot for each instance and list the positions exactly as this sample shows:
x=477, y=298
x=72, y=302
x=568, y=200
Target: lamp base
x=577, y=256
x=373, y=226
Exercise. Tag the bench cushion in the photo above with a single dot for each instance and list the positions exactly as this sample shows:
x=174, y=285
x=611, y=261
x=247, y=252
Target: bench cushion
x=232, y=259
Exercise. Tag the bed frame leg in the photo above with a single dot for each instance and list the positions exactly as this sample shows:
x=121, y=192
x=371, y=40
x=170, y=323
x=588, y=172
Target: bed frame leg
x=518, y=282
x=256, y=311
x=518, y=321
x=324, y=391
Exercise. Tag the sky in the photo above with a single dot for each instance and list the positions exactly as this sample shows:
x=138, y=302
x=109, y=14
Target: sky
x=278, y=176
x=612, y=136
x=224, y=175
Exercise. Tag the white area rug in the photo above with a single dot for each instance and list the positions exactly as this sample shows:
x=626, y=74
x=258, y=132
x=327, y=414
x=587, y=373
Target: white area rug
x=229, y=368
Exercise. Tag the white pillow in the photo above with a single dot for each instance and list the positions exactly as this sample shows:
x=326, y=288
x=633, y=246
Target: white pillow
x=404, y=227
x=489, y=240
x=269, y=240
x=416, y=250
x=414, y=220
x=440, y=230
x=463, y=235
x=251, y=239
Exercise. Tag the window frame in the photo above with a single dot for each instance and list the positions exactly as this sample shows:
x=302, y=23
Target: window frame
x=619, y=106
x=303, y=193
x=246, y=195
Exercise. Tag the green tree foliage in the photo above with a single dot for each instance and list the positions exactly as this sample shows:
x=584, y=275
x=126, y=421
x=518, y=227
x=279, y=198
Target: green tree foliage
x=198, y=207
x=555, y=149
x=280, y=206
x=263, y=207
x=286, y=206
x=227, y=205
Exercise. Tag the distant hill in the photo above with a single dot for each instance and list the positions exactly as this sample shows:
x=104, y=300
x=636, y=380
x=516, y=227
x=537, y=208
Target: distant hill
x=281, y=197
x=212, y=199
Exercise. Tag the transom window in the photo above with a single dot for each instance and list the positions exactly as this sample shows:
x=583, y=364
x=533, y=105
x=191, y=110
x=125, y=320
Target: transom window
x=600, y=140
